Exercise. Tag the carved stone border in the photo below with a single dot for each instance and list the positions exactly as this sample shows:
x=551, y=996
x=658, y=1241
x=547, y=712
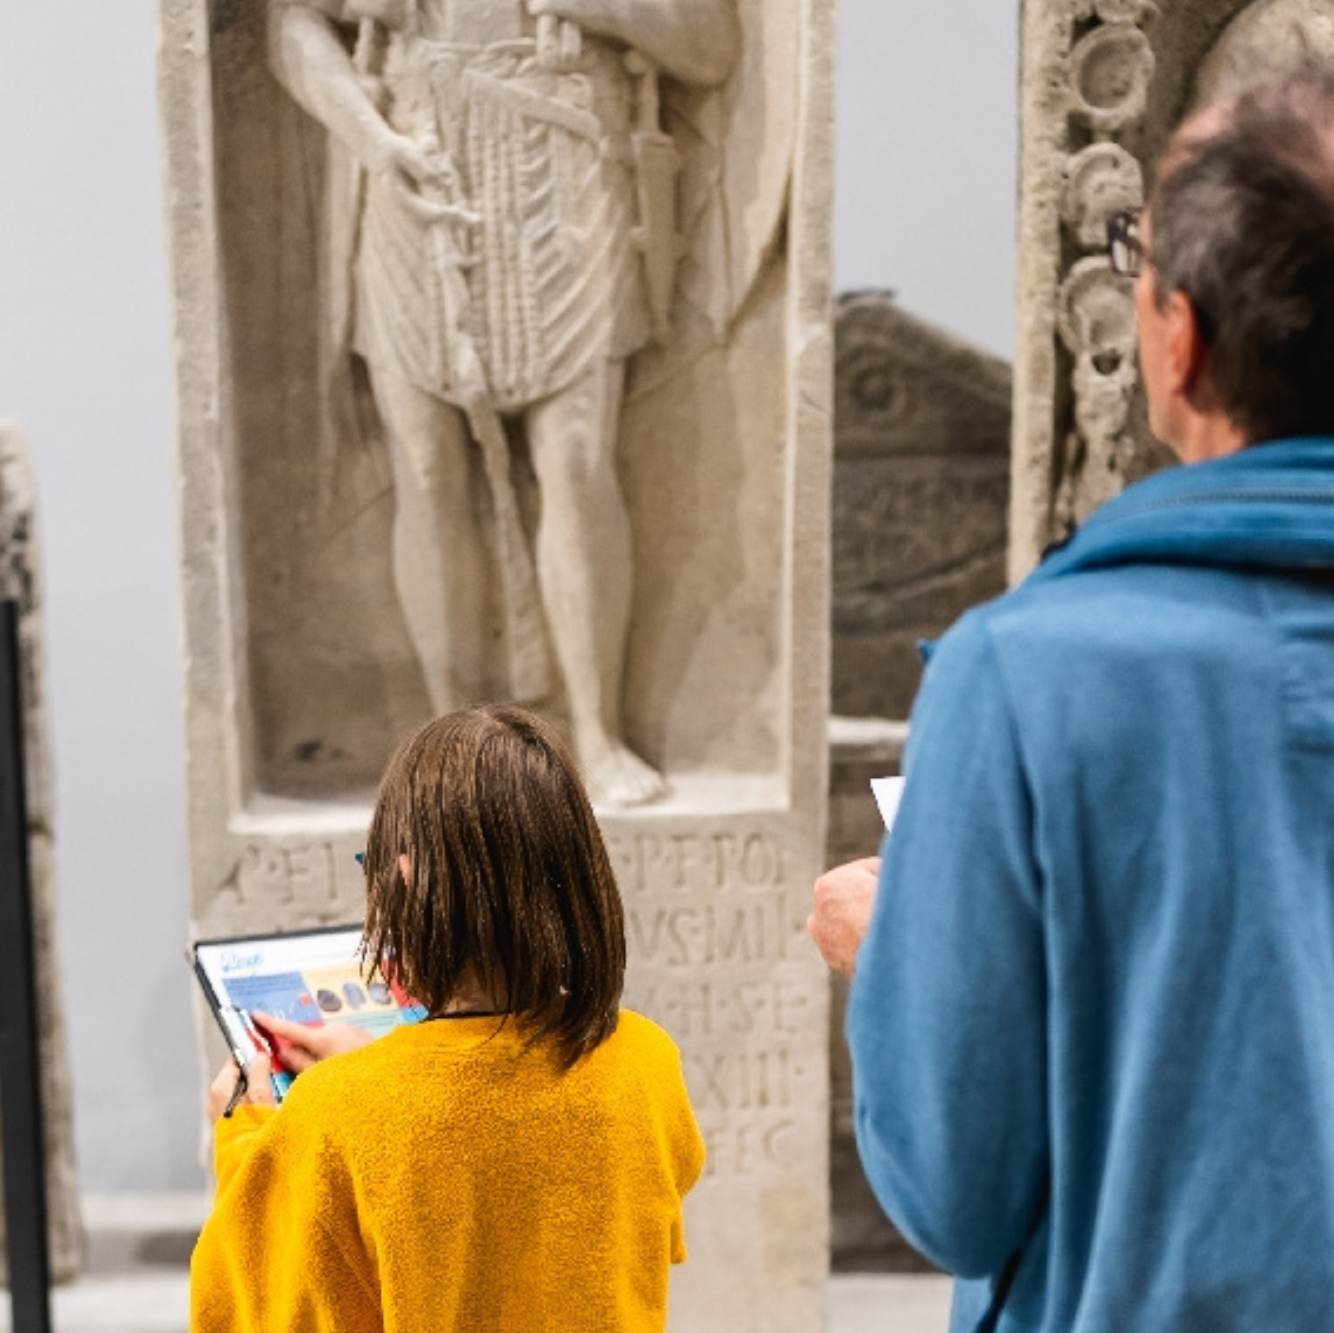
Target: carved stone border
x=1103, y=84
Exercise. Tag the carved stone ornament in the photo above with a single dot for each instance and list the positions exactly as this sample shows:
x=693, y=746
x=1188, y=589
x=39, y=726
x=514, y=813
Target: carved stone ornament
x=1097, y=313
x=1101, y=180
x=1092, y=90
x=21, y=579
x=1123, y=11
x=1110, y=70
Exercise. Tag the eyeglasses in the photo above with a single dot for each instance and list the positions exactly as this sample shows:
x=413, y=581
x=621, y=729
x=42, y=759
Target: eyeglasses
x=1126, y=253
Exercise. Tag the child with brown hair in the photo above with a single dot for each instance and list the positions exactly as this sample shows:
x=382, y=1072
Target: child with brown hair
x=517, y=1160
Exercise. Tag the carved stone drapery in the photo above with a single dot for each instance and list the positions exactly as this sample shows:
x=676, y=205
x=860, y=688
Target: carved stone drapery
x=21, y=579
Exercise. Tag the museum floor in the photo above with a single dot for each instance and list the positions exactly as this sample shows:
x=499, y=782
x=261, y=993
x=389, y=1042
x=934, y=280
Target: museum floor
x=139, y=1248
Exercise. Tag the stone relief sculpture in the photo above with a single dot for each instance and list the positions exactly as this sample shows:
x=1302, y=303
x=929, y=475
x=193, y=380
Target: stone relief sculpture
x=1104, y=83
x=509, y=240
x=1110, y=71
x=465, y=230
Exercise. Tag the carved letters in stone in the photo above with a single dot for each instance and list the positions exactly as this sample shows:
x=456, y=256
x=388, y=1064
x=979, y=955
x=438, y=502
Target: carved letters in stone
x=715, y=928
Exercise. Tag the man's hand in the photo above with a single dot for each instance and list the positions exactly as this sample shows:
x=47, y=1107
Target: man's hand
x=844, y=897
x=259, y=1091
x=299, y=1046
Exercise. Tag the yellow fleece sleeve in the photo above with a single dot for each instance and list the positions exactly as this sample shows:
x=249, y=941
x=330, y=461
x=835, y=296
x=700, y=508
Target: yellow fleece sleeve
x=282, y=1251
x=687, y=1151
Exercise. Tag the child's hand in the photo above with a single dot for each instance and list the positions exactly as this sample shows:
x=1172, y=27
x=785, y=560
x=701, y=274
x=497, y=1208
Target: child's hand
x=299, y=1046
x=259, y=1090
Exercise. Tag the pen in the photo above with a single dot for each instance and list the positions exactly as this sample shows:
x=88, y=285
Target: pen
x=239, y=1091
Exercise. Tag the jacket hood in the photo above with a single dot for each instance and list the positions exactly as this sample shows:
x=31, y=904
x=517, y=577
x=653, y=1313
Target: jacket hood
x=1269, y=506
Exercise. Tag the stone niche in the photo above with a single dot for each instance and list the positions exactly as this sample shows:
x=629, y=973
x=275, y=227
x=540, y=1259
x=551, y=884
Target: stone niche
x=306, y=658
x=1104, y=84
x=21, y=580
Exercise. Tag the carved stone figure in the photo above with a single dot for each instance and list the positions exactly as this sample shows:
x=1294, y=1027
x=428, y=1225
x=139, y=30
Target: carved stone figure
x=512, y=243
x=302, y=669
x=20, y=579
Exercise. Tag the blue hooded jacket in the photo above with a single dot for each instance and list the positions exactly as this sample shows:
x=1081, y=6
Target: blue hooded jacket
x=1092, y=1024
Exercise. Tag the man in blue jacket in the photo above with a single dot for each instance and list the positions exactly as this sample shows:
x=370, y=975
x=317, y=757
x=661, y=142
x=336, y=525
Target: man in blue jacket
x=1092, y=1016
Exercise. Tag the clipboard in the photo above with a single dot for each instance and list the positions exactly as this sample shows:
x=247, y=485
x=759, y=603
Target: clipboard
x=315, y=977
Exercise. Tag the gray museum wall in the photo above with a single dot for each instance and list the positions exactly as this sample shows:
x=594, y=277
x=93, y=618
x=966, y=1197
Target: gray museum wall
x=925, y=205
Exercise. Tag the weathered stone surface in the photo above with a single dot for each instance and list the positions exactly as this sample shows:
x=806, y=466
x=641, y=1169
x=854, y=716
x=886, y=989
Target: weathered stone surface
x=1105, y=83
x=21, y=579
x=921, y=489
x=302, y=666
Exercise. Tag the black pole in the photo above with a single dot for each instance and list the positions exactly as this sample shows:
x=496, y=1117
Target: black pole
x=21, y=1139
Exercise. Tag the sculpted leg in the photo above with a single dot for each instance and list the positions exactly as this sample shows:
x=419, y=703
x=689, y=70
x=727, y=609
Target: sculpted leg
x=438, y=565
x=583, y=564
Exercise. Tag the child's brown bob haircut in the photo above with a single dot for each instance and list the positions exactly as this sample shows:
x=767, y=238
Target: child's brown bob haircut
x=510, y=882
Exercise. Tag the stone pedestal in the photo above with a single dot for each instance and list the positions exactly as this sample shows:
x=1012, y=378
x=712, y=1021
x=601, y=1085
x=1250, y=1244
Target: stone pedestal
x=303, y=668
x=21, y=579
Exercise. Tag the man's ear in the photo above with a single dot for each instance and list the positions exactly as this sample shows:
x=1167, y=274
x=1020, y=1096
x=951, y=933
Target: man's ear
x=1187, y=352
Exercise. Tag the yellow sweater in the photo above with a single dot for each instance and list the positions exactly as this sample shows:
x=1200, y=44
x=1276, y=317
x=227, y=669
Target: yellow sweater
x=445, y=1180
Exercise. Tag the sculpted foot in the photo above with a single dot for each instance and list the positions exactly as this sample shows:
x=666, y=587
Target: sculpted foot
x=618, y=776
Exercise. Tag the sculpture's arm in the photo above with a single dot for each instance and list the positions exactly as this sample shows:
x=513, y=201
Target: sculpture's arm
x=310, y=61
x=694, y=41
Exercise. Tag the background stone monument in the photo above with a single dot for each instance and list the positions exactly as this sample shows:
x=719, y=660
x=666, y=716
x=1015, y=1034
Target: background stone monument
x=21, y=579
x=1104, y=84
x=921, y=491
x=921, y=497
x=302, y=668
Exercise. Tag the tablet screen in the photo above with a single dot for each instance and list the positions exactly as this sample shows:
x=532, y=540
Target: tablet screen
x=314, y=977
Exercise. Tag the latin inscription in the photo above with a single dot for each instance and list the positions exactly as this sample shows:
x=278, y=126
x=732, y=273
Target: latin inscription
x=732, y=929
x=691, y=1009
x=682, y=862
x=748, y=1145
x=307, y=881
x=715, y=933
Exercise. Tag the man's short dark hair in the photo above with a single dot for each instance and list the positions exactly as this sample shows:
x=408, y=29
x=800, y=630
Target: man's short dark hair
x=509, y=885
x=1243, y=224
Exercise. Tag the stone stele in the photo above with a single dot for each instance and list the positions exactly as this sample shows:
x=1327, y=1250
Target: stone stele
x=504, y=370
x=920, y=505
x=21, y=579
x=1105, y=83
x=921, y=495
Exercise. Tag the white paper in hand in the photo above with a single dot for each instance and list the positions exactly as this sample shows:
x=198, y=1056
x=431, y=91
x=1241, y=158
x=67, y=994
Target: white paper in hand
x=888, y=793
